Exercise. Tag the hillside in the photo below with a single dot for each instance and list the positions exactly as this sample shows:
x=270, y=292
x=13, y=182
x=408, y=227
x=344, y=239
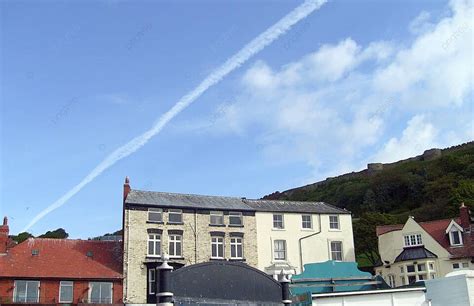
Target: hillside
x=428, y=187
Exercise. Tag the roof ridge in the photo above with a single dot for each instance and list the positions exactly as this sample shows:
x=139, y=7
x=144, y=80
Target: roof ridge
x=189, y=194
x=439, y=220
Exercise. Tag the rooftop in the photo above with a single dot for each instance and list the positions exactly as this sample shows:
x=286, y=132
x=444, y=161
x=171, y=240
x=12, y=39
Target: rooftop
x=63, y=258
x=167, y=199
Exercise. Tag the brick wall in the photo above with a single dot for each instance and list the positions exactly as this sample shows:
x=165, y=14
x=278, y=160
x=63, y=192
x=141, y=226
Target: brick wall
x=49, y=291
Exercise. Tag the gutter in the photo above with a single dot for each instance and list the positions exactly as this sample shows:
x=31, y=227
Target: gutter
x=301, y=239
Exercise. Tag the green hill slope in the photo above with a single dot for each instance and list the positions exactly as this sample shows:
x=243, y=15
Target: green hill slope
x=430, y=186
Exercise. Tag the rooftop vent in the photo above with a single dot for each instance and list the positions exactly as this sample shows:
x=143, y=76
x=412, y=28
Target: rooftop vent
x=35, y=252
x=89, y=254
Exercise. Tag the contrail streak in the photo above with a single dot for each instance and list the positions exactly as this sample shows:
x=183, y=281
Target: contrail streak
x=249, y=50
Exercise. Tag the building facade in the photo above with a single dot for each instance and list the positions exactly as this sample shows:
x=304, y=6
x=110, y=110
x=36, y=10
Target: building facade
x=66, y=271
x=417, y=251
x=290, y=234
x=193, y=229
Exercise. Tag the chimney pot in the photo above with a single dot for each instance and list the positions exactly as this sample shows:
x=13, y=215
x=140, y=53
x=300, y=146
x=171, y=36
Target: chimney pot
x=126, y=188
x=4, y=231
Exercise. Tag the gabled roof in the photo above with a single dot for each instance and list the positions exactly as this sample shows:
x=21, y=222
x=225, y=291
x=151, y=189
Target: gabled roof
x=63, y=258
x=437, y=230
x=177, y=200
x=412, y=253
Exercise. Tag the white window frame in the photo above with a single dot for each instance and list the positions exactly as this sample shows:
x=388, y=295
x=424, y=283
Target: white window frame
x=279, y=250
x=451, y=239
x=282, y=221
x=303, y=222
x=235, y=243
x=332, y=252
x=217, y=214
x=173, y=241
x=100, y=292
x=157, y=211
x=24, y=300
x=334, y=225
x=233, y=214
x=154, y=240
x=151, y=282
x=391, y=280
x=217, y=241
x=178, y=212
x=413, y=239
x=63, y=283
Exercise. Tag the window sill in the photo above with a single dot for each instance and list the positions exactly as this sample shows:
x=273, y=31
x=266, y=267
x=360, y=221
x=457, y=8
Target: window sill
x=216, y=259
x=335, y=230
x=174, y=223
x=278, y=229
x=154, y=222
x=237, y=259
x=177, y=257
x=457, y=246
x=217, y=225
x=153, y=257
x=235, y=225
x=307, y=229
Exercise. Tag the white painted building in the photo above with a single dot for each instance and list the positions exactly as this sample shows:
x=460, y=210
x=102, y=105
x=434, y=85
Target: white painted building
x=291, y=234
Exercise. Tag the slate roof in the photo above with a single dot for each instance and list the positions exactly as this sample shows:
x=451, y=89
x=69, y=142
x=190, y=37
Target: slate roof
x=167, y=199
x=295, y=206
x=63, y=258
x=413, y=253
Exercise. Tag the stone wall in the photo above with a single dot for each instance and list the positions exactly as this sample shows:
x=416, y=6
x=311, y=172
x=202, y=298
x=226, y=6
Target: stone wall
x=196, y=246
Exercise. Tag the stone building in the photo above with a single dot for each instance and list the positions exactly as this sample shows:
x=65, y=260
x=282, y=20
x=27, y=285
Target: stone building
x=265, y=234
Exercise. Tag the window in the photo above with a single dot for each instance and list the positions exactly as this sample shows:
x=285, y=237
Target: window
x=155, y=215
x=66, y=292
x=278, y=221
x=306, y=221
x=175, y=245
x=413, y=240
x=217, y=218
x=460, y=265
x=100, y=293
x=465, y=265
x=217, y=247
x=235, y=218
x=151, y=281
x=421, y=277
x=411, y=279
x=455, y=238
x=431, y=265
x=279, y=249
x=334, y=222
x=455, y=266
x=421, y=267
x=336, y=250
x=154, y=244
x=26, y=291
x=401, y=269
x=236, y=250
x=402, y=278
x=433, y=275
x=410, y=269
x=175, y=216
x=391, y=281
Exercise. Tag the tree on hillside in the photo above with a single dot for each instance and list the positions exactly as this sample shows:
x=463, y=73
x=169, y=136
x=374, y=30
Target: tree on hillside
x=60, y=233
x=21, y=237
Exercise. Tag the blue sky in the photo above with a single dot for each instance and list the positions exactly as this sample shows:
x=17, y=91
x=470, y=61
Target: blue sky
x=354, y=82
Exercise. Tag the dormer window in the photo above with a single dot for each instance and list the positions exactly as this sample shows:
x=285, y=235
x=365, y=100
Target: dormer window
x=454, y=231
x=455, y=238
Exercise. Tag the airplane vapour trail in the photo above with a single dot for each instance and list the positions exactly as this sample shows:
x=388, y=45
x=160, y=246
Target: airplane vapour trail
x=249, y=50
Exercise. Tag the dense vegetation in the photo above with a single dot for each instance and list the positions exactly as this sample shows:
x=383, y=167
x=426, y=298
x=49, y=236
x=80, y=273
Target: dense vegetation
x=60, y=233
x=425, y=189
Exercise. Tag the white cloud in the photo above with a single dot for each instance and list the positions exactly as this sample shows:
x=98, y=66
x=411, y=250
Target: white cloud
x=326, y=111
x=418, y=136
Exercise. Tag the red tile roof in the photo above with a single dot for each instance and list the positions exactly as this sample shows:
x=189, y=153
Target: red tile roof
x=437, y=230
x=63, y=258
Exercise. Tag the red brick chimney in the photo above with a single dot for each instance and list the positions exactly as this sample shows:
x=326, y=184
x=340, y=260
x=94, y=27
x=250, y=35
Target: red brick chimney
x=464, y=216
x=126, y=188
x=4, y=231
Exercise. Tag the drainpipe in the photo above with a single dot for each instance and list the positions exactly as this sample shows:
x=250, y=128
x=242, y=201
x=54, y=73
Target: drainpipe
x=299, y=242
x=195, y=236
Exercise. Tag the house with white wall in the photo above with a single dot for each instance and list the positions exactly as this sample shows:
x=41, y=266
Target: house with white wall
x=417, y=251
x=291, y=234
